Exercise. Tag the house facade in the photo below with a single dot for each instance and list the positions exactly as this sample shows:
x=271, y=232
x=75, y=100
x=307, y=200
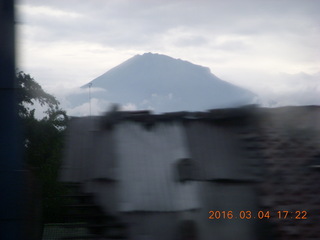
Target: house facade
x=221, y=174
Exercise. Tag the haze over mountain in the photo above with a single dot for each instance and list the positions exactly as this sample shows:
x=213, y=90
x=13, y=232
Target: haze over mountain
x=162, y=84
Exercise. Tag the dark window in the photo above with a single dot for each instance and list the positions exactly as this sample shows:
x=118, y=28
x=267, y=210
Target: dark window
x=188, y=230
x=186, y=169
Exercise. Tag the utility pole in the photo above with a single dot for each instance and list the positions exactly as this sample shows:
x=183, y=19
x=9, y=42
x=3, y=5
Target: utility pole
x=11, y=165
x=90, y=84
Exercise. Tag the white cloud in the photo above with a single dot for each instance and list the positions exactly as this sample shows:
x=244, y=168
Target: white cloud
x=96, y=107
x=283, y=88
x=66, y=63
x=246, y=42
x=129, y=107
x=46, y=11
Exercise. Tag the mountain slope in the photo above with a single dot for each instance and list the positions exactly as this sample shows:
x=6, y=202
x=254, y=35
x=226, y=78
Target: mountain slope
x=164, y=84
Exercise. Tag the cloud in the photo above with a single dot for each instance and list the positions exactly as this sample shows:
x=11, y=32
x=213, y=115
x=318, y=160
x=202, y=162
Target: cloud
x=62, y=92
x=68, y=64
x=191, y=40
x=287, y=89
x=129, y=107
x=298, y=89
x=44, y=11
x=132, y=23
x=96, y=107
x=71, y=42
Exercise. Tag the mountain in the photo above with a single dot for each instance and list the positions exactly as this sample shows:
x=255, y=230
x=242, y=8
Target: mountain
x=164, y=84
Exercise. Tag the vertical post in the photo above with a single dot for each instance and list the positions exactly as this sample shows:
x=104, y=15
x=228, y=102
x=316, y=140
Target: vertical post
x=90, y=84
x=11, y=175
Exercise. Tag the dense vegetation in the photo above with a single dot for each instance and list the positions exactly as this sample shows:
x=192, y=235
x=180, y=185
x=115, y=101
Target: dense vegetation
x=43, y=141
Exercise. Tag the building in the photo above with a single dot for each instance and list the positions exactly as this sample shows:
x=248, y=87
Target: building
x=221, y=174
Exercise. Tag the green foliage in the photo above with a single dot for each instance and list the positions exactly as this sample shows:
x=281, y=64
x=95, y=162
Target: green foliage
x=43, y=141
x=29, y=92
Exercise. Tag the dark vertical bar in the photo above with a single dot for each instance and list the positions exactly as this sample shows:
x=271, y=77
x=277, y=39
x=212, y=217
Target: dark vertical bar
x=11, y=175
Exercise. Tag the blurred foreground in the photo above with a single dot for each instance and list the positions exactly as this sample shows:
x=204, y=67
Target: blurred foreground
x=242, y=173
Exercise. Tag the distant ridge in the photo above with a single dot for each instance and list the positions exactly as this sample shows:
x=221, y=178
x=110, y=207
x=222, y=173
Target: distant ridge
x=164, y=84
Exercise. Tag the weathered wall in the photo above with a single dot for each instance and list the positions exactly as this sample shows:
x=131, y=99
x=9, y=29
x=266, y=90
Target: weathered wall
x=290, y=142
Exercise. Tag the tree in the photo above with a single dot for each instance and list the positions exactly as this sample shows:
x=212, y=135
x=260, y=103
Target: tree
x=43, y=141
x=30, y=92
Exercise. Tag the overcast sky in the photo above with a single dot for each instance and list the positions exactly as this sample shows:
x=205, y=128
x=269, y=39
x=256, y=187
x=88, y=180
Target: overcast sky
x=269, y=47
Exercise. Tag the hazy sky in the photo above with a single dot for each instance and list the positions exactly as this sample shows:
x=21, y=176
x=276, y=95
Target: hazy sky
x=269, y=47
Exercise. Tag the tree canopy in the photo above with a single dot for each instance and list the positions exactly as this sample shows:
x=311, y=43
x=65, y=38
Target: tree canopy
x=44, y=140
x=31, y=92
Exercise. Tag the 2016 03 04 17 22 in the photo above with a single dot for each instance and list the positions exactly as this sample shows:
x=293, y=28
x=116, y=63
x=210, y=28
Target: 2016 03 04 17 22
x=248, y=214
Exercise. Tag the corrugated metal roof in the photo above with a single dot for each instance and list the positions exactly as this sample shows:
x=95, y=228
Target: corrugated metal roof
x=227, y=197
x=217, y=152
x=78, y=148
x=106, y=195
x=103, y=164
x=139, y=153
x=147, y=160
x=291, y=138
x=152, y=225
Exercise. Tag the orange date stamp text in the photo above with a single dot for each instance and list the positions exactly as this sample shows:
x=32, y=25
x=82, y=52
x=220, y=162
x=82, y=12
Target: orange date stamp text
x=281, y=214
